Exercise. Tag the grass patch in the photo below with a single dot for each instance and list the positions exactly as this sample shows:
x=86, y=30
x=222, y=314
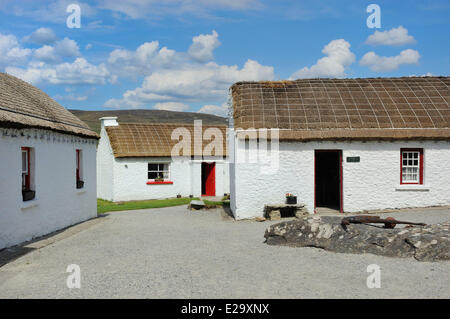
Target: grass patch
x=213, y=203
x=104, y=206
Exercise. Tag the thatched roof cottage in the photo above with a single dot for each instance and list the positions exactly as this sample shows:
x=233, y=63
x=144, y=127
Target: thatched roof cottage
x=47, y=177
x=344, y=144
x=138, y=161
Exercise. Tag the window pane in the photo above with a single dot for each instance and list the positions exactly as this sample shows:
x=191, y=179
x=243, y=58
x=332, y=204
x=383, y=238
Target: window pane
x=152, y=167
x=152, y=175
x=24, y=162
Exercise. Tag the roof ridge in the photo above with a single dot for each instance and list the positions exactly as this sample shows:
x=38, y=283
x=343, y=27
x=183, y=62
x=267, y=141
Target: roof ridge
x=341, y=79
x=166, y=123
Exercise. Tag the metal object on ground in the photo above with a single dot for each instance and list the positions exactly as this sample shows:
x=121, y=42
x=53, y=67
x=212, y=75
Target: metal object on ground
x=389, y=222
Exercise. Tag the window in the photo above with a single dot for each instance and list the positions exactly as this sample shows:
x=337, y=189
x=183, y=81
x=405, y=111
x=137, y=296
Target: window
x=26, y=168
x=79, y=171
x=27, y=172
x=158, y=171
x=411, y=165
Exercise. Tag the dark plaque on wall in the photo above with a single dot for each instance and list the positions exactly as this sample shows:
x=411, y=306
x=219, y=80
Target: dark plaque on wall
x=353, y=159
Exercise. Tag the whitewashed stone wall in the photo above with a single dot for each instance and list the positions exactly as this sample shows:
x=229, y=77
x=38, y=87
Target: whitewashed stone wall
x=105, y=171
x=373, y=183
x=58, y=202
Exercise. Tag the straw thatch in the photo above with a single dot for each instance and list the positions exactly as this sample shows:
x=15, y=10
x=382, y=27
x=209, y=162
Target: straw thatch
x=154, y=140
x=374, y=108
x=25, y=106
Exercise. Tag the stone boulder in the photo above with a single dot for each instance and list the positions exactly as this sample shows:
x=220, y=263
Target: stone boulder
x=424, y=243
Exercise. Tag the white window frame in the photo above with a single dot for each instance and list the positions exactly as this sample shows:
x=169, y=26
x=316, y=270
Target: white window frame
x=412, y=166
x=164, y=171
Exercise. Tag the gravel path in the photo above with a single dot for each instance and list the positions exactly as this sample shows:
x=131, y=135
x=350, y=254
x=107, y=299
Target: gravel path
x=176, y=253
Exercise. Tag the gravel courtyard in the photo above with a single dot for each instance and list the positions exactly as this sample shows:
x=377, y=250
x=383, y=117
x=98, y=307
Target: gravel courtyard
x=176, y=253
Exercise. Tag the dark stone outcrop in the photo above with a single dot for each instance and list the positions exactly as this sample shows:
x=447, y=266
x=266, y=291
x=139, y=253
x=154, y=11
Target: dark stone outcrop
x=424, y=243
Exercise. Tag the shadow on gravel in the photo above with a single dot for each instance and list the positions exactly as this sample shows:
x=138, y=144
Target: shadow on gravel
x=10, y=254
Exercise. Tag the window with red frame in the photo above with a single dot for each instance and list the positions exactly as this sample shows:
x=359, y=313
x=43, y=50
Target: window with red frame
x=411, y=166
x=26, y=170
x=79, y=169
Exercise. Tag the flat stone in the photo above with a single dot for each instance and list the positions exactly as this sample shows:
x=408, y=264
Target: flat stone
x=428, y=243
x=275, y=215
x=197, y=204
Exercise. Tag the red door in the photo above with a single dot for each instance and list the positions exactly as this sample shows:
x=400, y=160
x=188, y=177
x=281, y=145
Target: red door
x=209, y=179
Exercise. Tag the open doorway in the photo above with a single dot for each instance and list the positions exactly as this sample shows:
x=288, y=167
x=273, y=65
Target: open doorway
x=328, y=180
x=208, y=179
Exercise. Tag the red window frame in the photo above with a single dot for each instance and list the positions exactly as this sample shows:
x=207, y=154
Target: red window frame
x=27, y=185
x=78, y=152
x=420, y=151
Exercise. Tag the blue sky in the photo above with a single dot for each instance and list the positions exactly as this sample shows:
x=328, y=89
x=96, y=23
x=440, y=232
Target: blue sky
x=184, y=54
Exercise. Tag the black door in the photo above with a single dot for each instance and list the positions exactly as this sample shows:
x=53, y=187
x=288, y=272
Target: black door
x=328, y=179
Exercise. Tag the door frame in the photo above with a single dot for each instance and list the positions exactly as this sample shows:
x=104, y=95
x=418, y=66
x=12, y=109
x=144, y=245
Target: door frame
x=341, y=178
x=213, y=170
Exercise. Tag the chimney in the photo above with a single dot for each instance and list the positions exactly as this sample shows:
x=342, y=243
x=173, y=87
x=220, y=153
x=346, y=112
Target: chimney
x=108, y=121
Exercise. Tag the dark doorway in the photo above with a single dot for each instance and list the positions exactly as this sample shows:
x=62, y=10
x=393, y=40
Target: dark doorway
x=328, y=179
x=208, y=179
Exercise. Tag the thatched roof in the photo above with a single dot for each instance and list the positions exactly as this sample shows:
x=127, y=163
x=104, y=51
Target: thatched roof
x=154, y=140
x=25, y=106
x=373, y=108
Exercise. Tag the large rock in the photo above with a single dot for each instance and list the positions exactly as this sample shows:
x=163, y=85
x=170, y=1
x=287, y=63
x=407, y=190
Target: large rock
x=426, y=243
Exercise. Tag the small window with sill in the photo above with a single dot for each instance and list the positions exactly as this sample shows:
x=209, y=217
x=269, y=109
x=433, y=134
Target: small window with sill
x=79, y=169
x=158, y=172
x=411, y=166
x=28, y=192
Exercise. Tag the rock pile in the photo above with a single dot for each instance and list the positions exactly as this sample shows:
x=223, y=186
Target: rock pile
x=424, y=243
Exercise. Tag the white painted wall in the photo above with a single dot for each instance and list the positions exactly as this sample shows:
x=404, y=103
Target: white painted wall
x=105, y=165
x=371, y=184
x=58, y=202
x=130, y=178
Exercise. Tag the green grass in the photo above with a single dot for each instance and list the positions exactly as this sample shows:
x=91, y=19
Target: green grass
x=107, y=206
x=213, y=203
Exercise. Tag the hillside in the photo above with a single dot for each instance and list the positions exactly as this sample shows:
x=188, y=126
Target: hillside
x=143, y=116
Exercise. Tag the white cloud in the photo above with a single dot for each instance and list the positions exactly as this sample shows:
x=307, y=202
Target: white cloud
x=172, y=106
x=147, y=57
x=10, y=51
x=192, y=83
x=333, y=65
x=138, y=9
x=221, y=110
x=395, y=36
x=71, y=97
x=42, y=36
x=65, y=48
x=49, y=10
x=422, y=76
x=46, y=53
x=383, y=64
x=78, y=72
x=203, y=45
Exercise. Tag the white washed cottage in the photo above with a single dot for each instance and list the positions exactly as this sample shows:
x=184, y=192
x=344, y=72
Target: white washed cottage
x=47, y=156
x=345, y=144
x=136, y=161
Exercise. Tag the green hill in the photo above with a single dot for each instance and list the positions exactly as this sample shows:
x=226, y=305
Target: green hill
x=91, y=118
